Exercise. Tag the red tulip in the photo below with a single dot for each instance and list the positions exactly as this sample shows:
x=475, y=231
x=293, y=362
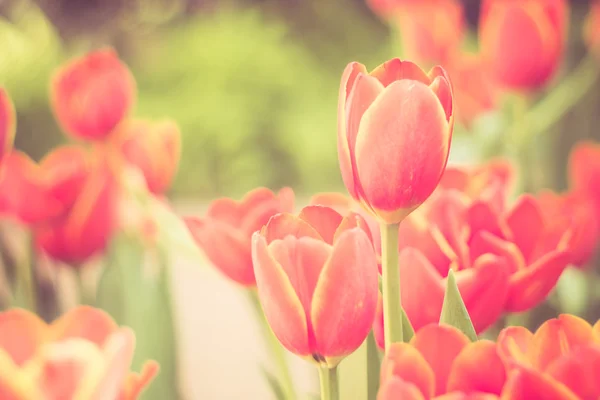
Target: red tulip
x=561, y=360
x=441, y=363
x=316, y=275
x=394, y=131
x=88, y=190
x=84, y=354
x=225, y=232
x=90, y=95
x=522, y=42
x=592, y=27
x=584, y=172
x=154, y=148
x=7, y=124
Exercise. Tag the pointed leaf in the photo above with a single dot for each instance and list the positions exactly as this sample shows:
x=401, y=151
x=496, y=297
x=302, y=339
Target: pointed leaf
x=373, y=366
x=407, y=330
x=454, y=312
x=273, y=383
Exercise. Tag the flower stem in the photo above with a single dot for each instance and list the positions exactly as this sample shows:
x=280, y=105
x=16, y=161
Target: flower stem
x=392, y=307
x=25, y=291
x=277, y=351
x=329, y=383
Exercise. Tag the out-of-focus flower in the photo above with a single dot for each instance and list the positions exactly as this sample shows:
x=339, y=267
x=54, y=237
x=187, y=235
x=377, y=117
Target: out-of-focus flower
x=394, y=131
x=474, y=93
x=575, y=214
x=86, y=186
x=154, y=148
x=561, y=360
x=522, y=42
x=430, y=30
x=317, y=281
x=225, y=232
x=7, y=124
x=386, y=9
x=584, y=172
x=91, y=94
x=591, y=32
x=441, y=363
x=82, y=355
x=505, y=258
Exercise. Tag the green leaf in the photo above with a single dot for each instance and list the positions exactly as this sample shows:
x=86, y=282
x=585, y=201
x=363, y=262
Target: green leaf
x=454, y=312
x=273, y=383
x=407, y=329
x=373, y=366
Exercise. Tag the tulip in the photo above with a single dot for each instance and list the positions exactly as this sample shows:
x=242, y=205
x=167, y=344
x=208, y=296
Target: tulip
x=91, y=94
x=394, y=131
x=83, y=354
x=7, y=124
x=316, y=275
x=561, y=360
x=592, y=27
x=87, y=187
x=584, y=172
x=225, y=232
x=522, y=42
x=154, y=148
x=441, y=363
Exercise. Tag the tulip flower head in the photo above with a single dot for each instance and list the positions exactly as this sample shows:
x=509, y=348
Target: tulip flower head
x=7, y=124
x=394, y=131
x=225, y=232
x=82, y=355
x=522, y=41
x=316, y=275
x=584, y=172
x=91, y=94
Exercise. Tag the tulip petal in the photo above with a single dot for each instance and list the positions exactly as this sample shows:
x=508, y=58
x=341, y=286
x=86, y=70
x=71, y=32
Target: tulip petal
x=416, y=232
x=530, y=286
x=440, y=85
x=286, y=199
x=526, y=223
x=324, y=220
x=396, y=389
x=338, y=201
x=350, y=221
x=136, y=383
x=256, y=208
x=395, y=70
x=21, y=334
x=467, y=374
x=422, y=289
x=284, y=224
x=15, y=383
x=282, y=307
x=513, y=344
x=405, y=362
x=558, y=336
x=596, y=328
x=345, y=299
x=486, y=243
x=403, y=142
x=440, y=345
x=467, y=396
x=84, y=322
x=584, y=164
x=226, y=210
x=481, y=217
x=528, y=384
x=578, y=370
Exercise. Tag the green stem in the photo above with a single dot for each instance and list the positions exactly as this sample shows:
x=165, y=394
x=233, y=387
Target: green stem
x=26, y=294
x=373, y=367
x=275, y=347
x=392, y=307
x=329, y=383
x=85, y=296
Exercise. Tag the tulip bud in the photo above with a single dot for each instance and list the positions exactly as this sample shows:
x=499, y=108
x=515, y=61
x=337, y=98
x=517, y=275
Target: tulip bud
x=90, y=95
x=317, y=282
x=394, y=131
x=522, y=42
x=154, y=148
x=7, y=124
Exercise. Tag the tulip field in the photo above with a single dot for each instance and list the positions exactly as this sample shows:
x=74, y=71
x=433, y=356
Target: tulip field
x=186, y=214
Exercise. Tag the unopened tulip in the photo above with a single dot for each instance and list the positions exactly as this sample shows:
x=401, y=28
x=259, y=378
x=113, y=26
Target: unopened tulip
x=82, y=355
x=522, y=42
x=560, y=360
x=394, y=130
x=154, y=148
x=7, y=124
x=91, y=94
x=87, y=187
x=225, y=232
x=441, y=363
x=316, y=275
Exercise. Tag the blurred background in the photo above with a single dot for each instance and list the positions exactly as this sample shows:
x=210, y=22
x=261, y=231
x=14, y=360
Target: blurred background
x=252, y=84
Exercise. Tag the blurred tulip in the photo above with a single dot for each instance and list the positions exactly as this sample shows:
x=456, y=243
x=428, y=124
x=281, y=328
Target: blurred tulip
x=394, y=131
x=153, y=147
x=82, y=355
x=430, y=30
x=474, y=92
x=387, y=8
x=91, y=94
x=561, y=360
x=88, y=189
x=440, y=362
x=592, y=27
x=225, y=232
x=316, y=275
x=522, y=42
x=584, y=172
x=7, y=124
